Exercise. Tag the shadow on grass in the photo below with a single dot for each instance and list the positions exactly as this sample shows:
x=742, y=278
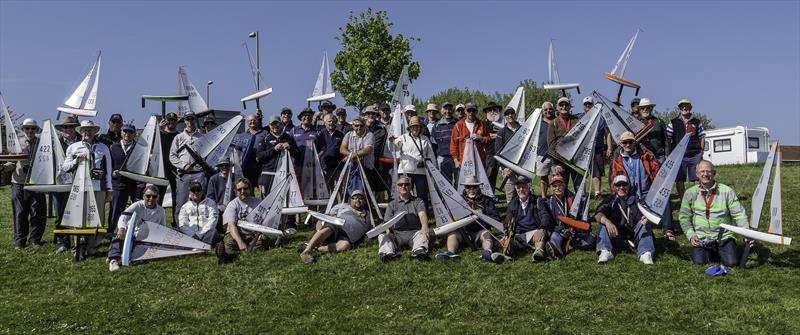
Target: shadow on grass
x=789, y=258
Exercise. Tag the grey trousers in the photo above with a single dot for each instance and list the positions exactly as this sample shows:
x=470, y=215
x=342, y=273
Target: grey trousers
x=29, y=215
x=390, y=243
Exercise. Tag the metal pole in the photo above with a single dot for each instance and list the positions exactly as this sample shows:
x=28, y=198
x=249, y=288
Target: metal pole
x=208, y=94
x=258, y=68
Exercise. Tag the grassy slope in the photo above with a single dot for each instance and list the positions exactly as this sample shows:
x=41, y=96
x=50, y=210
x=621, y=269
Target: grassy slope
x=271, y=291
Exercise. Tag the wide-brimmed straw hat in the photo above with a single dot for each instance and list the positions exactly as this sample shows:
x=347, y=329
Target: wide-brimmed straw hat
x=87, y=124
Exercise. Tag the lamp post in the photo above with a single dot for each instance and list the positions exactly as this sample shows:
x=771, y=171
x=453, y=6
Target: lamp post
x=254, y=34
x=208, y=95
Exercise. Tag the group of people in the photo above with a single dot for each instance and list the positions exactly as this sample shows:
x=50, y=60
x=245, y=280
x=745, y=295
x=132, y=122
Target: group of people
x=439, y=138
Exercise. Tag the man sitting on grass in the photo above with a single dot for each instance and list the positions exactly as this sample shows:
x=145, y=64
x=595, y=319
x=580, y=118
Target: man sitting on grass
x=476, y=232
x=564, y=237
x=332, y=238
x=704, y=207
x=621, y=223
x=198, y=216
x=146, y=209
x=237, y=240
x=530, y=219
x=411, y=230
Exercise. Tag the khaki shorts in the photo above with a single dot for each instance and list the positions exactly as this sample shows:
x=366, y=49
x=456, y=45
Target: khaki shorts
x=544, y=166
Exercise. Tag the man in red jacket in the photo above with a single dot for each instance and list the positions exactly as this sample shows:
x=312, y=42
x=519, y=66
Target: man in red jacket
x=469, y=127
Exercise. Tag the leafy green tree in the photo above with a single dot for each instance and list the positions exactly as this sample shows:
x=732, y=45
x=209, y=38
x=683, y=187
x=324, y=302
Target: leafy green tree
x=534, y=97
x=667, y=116
x=371, y=59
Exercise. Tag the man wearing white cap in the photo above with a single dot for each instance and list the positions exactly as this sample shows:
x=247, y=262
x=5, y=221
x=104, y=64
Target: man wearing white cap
x=28, y=207
x=622, y=224
x=686, y=123
x=100, y=163
x=188, y=169
x=588, y=102
x=556, y=131
x=414, y=150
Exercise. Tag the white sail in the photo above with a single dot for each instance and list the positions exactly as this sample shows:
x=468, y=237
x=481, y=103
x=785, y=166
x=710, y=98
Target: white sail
x=146, y=252
x=145, y=162
x=622, y=62
x=757, y=235
x=322, y=88
x=761, y=189
x=580, y=193
x=43, y=168
x=154, y=233
x=11, y=138
x=267, y=212
x=578, y=137
x=554, y=82
x=520, y=152
x=402, y=90
x=286, y=169
x=222, y=149
x=338, y=185
x=472, y=166
x=313, y=180
x=167, y=202
x=385, y=226
x=399, y=123
x=81, y=209
x=452, y=200
x=79, y=102
x=776, y=211
x=552, y=69
x=618, y=120
x=186, y=87
x=518, y=103
x=212, y=140
x=658, y=197
x=326, y=218
x=440, y=213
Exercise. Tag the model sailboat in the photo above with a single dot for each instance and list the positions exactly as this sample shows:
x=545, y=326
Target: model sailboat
x=617, y=73
x=353, y=177
x=518, y=104
x=618, y=120
x=214, y=145
x=315, y=190
x=657, y=199
x=449, y=209
x=146, y=240
x=12, y=151
x=323, y=90
x=145, y=163
x=46, y=174
x=520, y=152
x=775, y=232
x=554, y=82
x=576, y=146
x=256, y=80
x=266, y=217
x=79, y=103
x=472, y=166
x=195, y=103
x=81, y=216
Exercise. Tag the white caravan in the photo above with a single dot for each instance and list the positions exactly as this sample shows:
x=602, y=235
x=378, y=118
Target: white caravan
x=737, y=145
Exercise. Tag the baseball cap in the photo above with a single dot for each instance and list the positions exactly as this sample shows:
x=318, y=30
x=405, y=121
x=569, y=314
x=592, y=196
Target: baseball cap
x=522, y=180
x=171, y=116
x=589, y=100
x=556, y=178
x=620, y=179
x=471, y=106
x=286, y=110
x=626, y=136
x=115, y=117
x=563, y=99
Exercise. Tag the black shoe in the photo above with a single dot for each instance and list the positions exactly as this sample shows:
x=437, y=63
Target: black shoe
x=388, y=257
x=420, y=254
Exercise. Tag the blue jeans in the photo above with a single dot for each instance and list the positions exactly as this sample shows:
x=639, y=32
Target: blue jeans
x=580, y=240
x=727, y=252
x=421, y=185
x=642, y=237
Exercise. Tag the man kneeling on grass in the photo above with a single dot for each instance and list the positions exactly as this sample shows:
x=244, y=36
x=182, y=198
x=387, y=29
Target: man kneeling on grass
x=476, y=232
x=146, y=209
x=237, y=240
x=621, y=223
x=411, y=230
x=332, y=238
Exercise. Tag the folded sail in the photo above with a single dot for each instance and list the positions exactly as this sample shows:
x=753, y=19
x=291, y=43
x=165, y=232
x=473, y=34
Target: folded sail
x=11, y=138
x=46, y=168
x=145, y=162
x=518, y=103
x=579, y=136
x=472, y=166
x=151, y=232
x=618, y=120
x=761, y=189
x=657, y=199
x=520, y=152
x=268, y=211
x=294, y=197
x=313, y=180
x=81, y=209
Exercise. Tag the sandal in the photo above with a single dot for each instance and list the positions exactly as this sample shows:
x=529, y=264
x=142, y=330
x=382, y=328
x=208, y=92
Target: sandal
x=669, y=235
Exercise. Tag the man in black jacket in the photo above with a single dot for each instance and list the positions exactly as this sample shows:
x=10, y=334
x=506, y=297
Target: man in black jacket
x=528, y=219
x=124, y=189
x=503, y=136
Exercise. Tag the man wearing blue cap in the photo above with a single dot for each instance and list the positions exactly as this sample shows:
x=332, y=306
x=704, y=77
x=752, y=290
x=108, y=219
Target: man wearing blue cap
x=188, y=169
x=123, y=188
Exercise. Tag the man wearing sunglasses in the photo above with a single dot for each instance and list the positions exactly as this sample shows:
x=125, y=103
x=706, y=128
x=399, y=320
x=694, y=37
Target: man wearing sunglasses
x=124, y=189
x=656, y=141
x=441, y=133
x=237, y=240
x=411, y=231
x=341, y=121
x=67, y=135
x=686, y=123
x=334, y=238
x=545, y=162
x=621, y=224
x=28, y=208
x=469, y=127
x=635, y=162
x=374, y=121
x=114, y=133
x=146, y=209
x=556, y=131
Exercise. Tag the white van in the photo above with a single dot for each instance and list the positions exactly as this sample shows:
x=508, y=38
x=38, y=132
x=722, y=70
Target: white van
x=737, y=145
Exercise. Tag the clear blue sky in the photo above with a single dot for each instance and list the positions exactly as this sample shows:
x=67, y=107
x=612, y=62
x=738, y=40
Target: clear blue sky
x=739, y=61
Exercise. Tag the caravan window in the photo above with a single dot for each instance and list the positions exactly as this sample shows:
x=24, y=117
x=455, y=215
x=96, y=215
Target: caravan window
x=752, y=142
x=722, y=145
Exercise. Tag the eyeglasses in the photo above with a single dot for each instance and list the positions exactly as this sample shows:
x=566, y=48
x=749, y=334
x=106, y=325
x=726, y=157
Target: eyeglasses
x=242, y=189
x=647, y=108
x=188, y=118
x=686, y=107
x=547, y=109
x=195, y=190
x=358, y=197
x=627, y=142
x=358, y=125
x=128, y=131
x=29, y=129
x=621, y=184
x=151, y=196
x=471, y=187
x=116, y=121
x=587, y=104
x=404, y=184
x=472, y=110
x=563, y=104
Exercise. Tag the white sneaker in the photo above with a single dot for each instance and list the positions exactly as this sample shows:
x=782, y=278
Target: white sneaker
x=646, y=258
x=605, y=256
x=291, y=231
x=113, y=265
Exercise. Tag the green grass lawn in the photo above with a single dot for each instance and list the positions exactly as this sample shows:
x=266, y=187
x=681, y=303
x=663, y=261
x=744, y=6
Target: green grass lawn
x=273, y=292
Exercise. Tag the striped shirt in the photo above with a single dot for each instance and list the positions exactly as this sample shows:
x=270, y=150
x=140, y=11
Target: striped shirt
x=702, y=220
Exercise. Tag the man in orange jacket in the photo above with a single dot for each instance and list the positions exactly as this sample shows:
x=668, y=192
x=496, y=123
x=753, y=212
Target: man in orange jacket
x=469, y=127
